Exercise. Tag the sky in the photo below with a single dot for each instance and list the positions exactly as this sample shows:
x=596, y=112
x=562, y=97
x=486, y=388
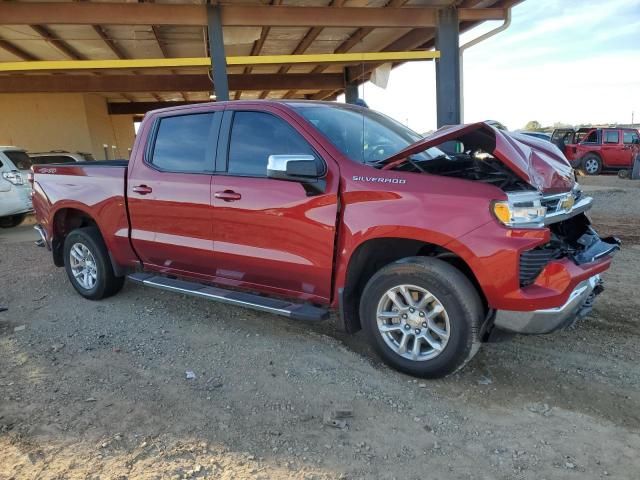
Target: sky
x=570, y=61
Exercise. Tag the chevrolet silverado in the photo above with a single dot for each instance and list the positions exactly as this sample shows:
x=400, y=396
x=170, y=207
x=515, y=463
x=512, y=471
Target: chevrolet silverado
x=298, y=208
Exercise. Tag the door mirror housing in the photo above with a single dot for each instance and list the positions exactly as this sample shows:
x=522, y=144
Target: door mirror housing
x=293, y=167
x=301, y=168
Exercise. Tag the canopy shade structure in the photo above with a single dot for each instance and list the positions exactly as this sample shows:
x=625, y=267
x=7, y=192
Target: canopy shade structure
x=161, y=51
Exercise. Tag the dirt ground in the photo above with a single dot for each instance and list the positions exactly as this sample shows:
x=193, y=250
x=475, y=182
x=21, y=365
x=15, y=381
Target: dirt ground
x=99, y=389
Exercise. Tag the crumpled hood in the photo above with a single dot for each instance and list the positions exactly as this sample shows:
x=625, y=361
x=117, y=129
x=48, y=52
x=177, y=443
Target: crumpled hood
x=538, y=162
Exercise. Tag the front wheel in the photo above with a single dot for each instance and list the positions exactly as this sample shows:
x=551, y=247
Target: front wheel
x=422, y=316
x=88, y=266
x=592, y=164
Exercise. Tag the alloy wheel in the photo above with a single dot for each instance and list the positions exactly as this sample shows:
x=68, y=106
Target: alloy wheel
x=83, y=266
x=413, y=322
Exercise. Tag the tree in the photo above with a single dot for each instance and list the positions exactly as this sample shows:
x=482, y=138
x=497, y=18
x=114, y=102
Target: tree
x=533, y=125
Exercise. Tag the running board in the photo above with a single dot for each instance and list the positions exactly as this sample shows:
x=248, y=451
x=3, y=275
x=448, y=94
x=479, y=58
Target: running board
x=265, y=304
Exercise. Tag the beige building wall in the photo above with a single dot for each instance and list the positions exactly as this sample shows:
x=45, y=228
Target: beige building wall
x=72, y=122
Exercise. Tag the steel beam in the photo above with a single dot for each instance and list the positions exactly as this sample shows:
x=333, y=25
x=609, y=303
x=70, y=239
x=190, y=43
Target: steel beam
x=113, y=13
x=448, y=68
x=142, y=63
x=165, y=83
x=216, y=51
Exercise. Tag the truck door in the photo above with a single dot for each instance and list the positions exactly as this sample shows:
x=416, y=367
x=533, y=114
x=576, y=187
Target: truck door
x=271, y=235
x=629, y=146
x=169, y=193
x=612, y=153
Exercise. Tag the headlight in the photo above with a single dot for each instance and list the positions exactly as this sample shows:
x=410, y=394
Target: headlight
x=520, y=210
x=13, y=177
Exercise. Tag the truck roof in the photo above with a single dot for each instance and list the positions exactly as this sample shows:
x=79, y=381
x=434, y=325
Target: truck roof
x=258, y=102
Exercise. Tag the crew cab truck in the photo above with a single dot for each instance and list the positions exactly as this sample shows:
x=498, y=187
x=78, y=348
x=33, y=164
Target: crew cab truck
x=297, y=208
x=596, y=150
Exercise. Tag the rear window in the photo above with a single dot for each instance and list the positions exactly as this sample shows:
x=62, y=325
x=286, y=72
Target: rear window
x=20, y=159
x=629, y=137
x=49, y=159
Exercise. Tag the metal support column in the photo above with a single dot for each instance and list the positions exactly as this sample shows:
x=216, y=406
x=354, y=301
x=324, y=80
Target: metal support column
x=350, y=89
x=216, y=50
x=448, y=68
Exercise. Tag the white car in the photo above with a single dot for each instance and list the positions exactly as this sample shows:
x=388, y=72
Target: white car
x=15, y=190
x=59, y=156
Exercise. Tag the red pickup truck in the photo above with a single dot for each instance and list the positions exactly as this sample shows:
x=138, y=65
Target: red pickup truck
x=296, y=208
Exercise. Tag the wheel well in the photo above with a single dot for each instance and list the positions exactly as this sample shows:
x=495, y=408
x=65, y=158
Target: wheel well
x=65, y=221
x=374, y=254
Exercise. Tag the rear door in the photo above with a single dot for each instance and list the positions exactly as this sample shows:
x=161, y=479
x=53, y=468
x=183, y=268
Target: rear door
x=612, y=153
x=169, y=193
x=271, y=235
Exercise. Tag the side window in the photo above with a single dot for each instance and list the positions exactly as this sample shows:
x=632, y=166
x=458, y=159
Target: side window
x=592, y=138
x=611, y=136
x=185, y=143
x=629, y=137
x=255, y=136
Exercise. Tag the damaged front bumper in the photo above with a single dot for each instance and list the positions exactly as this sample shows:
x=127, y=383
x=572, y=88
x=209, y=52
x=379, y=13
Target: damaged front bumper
x=548, y=320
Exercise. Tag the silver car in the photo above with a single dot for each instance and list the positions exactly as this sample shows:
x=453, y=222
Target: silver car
x=15, y=190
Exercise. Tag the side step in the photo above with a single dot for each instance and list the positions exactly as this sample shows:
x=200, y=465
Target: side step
x=271, y=305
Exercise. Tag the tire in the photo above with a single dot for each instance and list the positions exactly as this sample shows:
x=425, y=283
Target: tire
x=12, y=220
x=451, y=290
x=635, y=172
x=591, y=164
x=98, y=280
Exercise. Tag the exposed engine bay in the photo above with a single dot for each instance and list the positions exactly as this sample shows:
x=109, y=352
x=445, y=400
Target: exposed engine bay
x=474, y=165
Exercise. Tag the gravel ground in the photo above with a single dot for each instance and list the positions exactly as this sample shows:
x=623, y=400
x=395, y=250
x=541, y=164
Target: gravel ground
x=99, y=389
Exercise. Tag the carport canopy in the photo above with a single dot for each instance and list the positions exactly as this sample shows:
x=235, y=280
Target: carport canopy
x=152, y=54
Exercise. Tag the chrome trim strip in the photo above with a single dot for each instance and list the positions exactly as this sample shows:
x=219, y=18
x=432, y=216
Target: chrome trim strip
x=584, y=204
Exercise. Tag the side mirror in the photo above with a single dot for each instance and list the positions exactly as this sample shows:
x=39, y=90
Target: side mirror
x=292, y=167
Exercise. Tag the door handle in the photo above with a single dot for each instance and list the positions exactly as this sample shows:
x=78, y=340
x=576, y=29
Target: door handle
x=142, y=189
x=227, y=196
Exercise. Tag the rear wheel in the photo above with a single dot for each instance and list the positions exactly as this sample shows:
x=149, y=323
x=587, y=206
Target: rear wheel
x=591, y=164
x=12, y=220
x=88, y=266
x=422, y=316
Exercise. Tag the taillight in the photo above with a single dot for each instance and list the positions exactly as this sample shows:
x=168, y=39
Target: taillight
x=13, y=177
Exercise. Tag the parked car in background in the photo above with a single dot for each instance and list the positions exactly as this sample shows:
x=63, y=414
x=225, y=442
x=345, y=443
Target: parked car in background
x=594, y=150
x=540, y=135
x=298, y=207
x=60, y=156
x=15, y=191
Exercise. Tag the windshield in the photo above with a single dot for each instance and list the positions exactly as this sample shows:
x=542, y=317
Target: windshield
x=20, y=159
x=361, y=134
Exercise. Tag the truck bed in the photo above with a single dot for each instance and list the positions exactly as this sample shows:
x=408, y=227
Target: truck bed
x=94, y=189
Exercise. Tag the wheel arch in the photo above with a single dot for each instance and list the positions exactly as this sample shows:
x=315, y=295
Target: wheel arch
x=373, y=254
x=65, y=220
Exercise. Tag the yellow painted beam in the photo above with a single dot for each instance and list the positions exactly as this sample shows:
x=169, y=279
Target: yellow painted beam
x=140, y=63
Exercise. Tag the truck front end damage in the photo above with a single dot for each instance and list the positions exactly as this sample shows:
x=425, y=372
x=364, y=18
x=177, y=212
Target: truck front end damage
x=539, y=263
x=574, y=251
